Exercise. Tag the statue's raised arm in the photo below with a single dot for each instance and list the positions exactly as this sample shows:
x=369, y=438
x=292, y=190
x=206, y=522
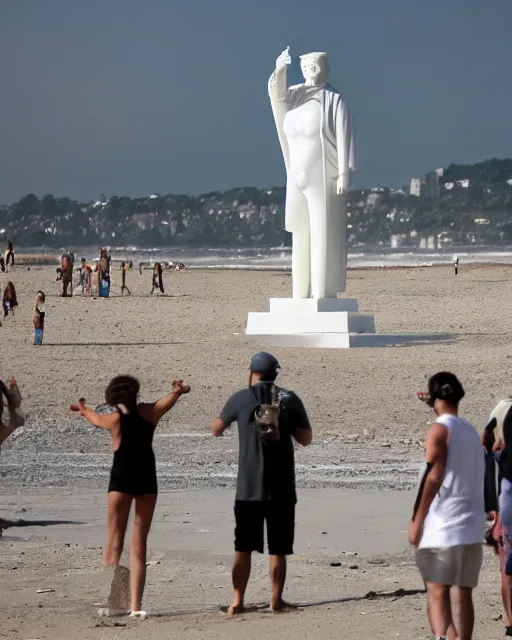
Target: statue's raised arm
x=277, y=91
x=277, y=82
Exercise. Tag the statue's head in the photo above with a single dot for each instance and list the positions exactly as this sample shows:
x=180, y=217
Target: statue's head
x=314, y=67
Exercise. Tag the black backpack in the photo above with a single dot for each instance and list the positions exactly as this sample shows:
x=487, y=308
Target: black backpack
x=266, y=415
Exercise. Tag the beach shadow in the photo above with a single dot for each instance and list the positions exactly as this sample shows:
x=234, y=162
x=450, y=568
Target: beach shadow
x=109, y=344
x=9, y=524
x=483, y=334
x=397, y=594
x=264, y=606
x=118, y=295
x=156, y=296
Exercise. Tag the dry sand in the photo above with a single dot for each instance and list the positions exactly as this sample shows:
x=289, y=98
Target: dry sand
x=368, y=429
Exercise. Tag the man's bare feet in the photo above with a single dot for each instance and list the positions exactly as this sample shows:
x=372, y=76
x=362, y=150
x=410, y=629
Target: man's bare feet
x=282, y=607
x=235, y=609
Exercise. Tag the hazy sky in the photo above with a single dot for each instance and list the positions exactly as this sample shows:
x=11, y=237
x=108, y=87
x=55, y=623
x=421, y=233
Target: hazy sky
x=136, y=96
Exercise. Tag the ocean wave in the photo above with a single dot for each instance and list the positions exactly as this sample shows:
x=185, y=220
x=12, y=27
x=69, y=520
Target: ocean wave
x=279, y=258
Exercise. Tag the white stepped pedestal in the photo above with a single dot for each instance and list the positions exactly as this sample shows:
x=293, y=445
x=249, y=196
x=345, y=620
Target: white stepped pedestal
x=331, y=323
x=316, y=323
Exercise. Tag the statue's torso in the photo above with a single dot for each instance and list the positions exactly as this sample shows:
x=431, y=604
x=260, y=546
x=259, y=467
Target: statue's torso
x=303, y=127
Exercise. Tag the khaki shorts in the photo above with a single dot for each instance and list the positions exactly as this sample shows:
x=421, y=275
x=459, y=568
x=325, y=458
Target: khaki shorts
x=455, y=566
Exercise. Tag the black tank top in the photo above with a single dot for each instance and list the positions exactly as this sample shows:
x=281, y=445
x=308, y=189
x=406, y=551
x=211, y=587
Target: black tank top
x=134, y=459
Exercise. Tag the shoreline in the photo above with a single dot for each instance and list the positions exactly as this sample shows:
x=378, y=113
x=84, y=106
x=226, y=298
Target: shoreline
x=39, y=261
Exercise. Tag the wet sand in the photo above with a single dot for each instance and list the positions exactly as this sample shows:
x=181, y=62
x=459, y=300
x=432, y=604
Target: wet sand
x=369, y=431
x=348, y=544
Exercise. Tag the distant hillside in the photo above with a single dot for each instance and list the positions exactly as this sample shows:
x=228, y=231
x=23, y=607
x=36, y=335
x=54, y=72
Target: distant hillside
x=463, y=204
x=490, y=172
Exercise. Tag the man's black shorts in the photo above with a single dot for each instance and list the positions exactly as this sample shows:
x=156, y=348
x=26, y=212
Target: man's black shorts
x=280, y=519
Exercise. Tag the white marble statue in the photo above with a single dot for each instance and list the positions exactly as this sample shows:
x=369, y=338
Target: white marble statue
x=314, y=130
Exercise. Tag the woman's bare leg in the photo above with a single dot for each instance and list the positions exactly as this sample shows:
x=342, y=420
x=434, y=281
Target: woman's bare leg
x=118, y=513
x=144, y=509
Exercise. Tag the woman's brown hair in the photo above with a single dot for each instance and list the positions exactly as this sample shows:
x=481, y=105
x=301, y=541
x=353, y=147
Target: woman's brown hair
x=123, y=390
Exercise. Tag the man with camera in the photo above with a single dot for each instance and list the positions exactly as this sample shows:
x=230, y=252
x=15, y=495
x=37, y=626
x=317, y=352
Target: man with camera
x=269, y=418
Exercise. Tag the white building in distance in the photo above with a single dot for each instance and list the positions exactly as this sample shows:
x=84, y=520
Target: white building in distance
x=415, y=188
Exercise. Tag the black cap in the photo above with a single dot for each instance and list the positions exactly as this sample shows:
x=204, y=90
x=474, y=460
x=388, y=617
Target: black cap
x=264, y=362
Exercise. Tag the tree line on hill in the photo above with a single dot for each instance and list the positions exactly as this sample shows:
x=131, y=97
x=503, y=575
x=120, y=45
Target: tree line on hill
x=467, y=204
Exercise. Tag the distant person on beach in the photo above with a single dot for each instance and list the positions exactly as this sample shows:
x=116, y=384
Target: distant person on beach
x=67, y=264
x=497, y=439
x=157, y=281
x=133, y=476
x=124, y=269
x=39, y=316
x=12, y=397
x=448, y=523
x=456, y=264
x=103, y=274
x=9, y=256
x=269, y=419
x=9, y=299
x=85, y=282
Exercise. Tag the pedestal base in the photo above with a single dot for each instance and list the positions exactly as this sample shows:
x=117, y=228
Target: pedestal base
x=352, y=340
x=331, y=323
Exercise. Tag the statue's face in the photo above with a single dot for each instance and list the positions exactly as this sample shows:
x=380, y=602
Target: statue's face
x=313, y=69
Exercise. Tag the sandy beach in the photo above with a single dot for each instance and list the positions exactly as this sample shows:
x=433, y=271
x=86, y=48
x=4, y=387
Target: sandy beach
x=353, y=481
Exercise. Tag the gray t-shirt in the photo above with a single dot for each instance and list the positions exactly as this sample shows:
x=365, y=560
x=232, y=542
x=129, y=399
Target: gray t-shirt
x=265, y=472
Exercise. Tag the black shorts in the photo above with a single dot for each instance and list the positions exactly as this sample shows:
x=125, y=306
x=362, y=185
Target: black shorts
x=250, y=518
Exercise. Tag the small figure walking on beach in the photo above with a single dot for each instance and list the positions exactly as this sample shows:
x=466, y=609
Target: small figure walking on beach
x=133, y=476
x=9, y=299
x=456, y=264
x=103, y=270
x=157, y=282
x=67, y=263
x=9, y=256
x=124, y=269
x=85, y=282
x=39, y=316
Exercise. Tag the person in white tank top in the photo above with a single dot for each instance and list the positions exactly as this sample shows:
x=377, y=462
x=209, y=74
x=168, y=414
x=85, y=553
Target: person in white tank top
x=448, y=522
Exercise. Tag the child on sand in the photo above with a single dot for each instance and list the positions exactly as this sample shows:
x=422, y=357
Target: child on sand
x=124, y=269
x=39, y=315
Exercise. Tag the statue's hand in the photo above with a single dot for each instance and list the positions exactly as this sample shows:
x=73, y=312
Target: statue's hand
x=284, y=59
